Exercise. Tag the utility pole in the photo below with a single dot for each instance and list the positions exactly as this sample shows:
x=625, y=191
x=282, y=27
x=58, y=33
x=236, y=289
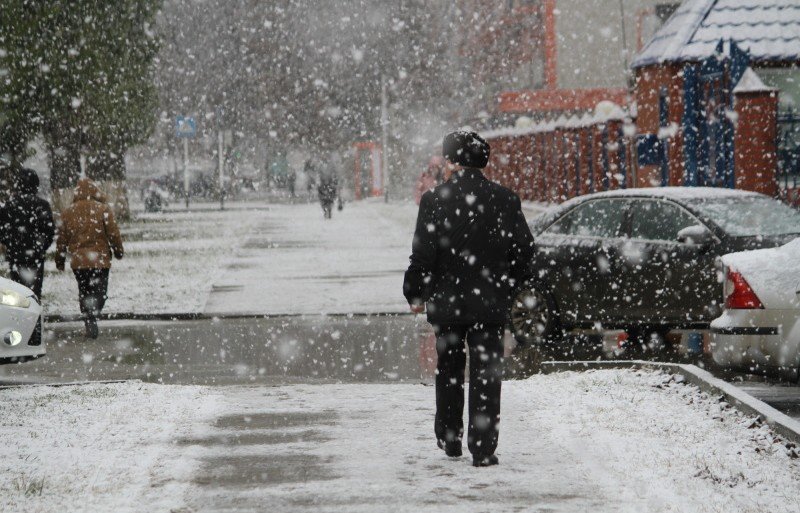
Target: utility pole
x=186, y=169
x=625, y=44
x=384, y=137
x=184, y=129
x=221, y=164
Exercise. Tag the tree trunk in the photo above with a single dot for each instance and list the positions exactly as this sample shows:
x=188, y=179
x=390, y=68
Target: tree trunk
x=107, y=169
x=65, y=168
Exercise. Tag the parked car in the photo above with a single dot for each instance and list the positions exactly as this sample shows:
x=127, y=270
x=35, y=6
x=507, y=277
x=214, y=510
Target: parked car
x=641, y=260
x=20, y=323
x=759, y=331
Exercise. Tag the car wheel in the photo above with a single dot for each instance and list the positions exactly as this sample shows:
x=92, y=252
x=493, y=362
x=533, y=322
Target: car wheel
x=534, y=317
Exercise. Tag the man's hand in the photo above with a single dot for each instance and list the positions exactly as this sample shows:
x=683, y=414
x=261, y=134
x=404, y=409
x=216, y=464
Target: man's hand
x=417, y=308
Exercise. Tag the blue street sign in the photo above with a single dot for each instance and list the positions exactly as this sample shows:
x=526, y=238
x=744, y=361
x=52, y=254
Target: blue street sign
x=185, y=127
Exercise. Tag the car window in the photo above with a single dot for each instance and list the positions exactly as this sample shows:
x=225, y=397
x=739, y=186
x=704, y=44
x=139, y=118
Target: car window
x=751, y=216
x=659, y=220
x=597, y=218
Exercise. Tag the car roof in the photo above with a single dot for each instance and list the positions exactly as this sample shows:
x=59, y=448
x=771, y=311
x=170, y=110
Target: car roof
x=679, y=194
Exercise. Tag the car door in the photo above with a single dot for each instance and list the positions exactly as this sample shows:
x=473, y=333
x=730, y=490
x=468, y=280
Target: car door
x=667, y=281
x=580, y=253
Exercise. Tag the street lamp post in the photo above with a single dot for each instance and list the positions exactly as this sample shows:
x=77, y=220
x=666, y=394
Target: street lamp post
x=384, y=137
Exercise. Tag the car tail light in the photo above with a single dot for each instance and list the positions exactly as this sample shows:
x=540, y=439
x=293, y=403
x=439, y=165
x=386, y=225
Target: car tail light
x=739, y=294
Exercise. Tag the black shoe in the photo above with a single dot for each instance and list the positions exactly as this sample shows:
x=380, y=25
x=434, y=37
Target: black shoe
x=452, y=449
x=485, y=461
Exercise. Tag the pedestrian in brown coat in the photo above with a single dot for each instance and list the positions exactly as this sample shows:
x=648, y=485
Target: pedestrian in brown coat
x=90, y=235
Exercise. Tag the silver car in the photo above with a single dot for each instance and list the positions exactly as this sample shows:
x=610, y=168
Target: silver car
x=20, y=323
x=759, y=330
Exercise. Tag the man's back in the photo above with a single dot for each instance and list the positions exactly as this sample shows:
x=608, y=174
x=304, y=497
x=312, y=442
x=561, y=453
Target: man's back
x=26, y=228
x=471, y=247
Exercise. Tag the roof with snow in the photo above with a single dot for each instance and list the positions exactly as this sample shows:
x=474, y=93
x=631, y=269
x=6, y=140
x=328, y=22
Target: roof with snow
x=769, y=29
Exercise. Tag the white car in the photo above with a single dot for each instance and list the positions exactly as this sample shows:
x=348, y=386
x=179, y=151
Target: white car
x=759, y=331
x=20, y=323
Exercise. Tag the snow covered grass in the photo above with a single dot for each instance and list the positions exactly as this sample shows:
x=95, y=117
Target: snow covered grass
x=99, y=447
x=171, y=261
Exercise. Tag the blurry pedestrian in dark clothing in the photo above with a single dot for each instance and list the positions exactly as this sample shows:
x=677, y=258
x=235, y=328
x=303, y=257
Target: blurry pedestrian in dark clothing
x=292, y=178
x=90, y=235
x=328, y=190
x=471, y=248
x=26, y=230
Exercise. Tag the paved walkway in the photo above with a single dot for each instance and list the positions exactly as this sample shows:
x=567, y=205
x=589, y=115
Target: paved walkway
x=296, y=262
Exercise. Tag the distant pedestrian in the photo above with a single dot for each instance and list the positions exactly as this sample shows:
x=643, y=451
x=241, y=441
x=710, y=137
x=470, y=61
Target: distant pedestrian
x=430, y=178
x=292, y=178
x=328, y=190
x=26, y=230
x=89, y=234
x=471, y=248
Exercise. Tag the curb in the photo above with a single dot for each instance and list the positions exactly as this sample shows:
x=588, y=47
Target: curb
x=6, y=385
x=781, y=423
x=125, y=316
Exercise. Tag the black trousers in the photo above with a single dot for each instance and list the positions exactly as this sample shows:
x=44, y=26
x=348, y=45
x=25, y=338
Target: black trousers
x=92, y=290
x=485, y=343
x=30, y=274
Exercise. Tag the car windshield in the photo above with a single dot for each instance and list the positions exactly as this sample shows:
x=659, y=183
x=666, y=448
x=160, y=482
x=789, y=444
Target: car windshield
x=751, y=216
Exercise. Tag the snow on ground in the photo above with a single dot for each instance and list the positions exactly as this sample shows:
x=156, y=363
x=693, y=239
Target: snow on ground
x=171, y=261
x=606, y=441
x=296, y=262
x=611, y=440
x=98, y=448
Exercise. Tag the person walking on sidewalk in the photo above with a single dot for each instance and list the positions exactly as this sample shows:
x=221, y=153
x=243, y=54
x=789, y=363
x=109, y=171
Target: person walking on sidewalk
x=90, y=235
x=471, y=248
x=327, y=190
x=26, y=230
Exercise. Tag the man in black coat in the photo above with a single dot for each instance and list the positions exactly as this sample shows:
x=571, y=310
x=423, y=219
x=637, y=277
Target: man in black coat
x=471, y=248
x=26, y=230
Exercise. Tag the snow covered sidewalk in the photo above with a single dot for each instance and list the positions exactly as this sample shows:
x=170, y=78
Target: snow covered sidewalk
x=296, y=262
x=607, y=441
x=171, y=260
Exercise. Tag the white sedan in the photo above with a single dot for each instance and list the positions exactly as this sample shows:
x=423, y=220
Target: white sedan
x=20, y=323
x=759, y=331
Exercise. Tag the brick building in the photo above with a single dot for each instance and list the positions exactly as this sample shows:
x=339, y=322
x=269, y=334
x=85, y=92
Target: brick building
x=543, y=58
x=711, y=88
x=714, y=103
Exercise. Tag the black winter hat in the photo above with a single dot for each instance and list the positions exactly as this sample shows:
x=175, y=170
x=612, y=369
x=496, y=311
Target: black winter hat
x=25, y=181
x=467, y=149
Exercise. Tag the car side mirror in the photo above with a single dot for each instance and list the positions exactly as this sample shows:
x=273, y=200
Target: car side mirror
x=698, y=236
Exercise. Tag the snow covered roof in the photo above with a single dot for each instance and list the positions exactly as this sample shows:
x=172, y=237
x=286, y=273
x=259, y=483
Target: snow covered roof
x=751, y=83
x=605, y=112
x=769, y=29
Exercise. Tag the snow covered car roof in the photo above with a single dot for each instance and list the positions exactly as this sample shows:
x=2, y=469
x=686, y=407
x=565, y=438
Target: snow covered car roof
x=768, y=29
x=674, y=193
x=678, y=194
